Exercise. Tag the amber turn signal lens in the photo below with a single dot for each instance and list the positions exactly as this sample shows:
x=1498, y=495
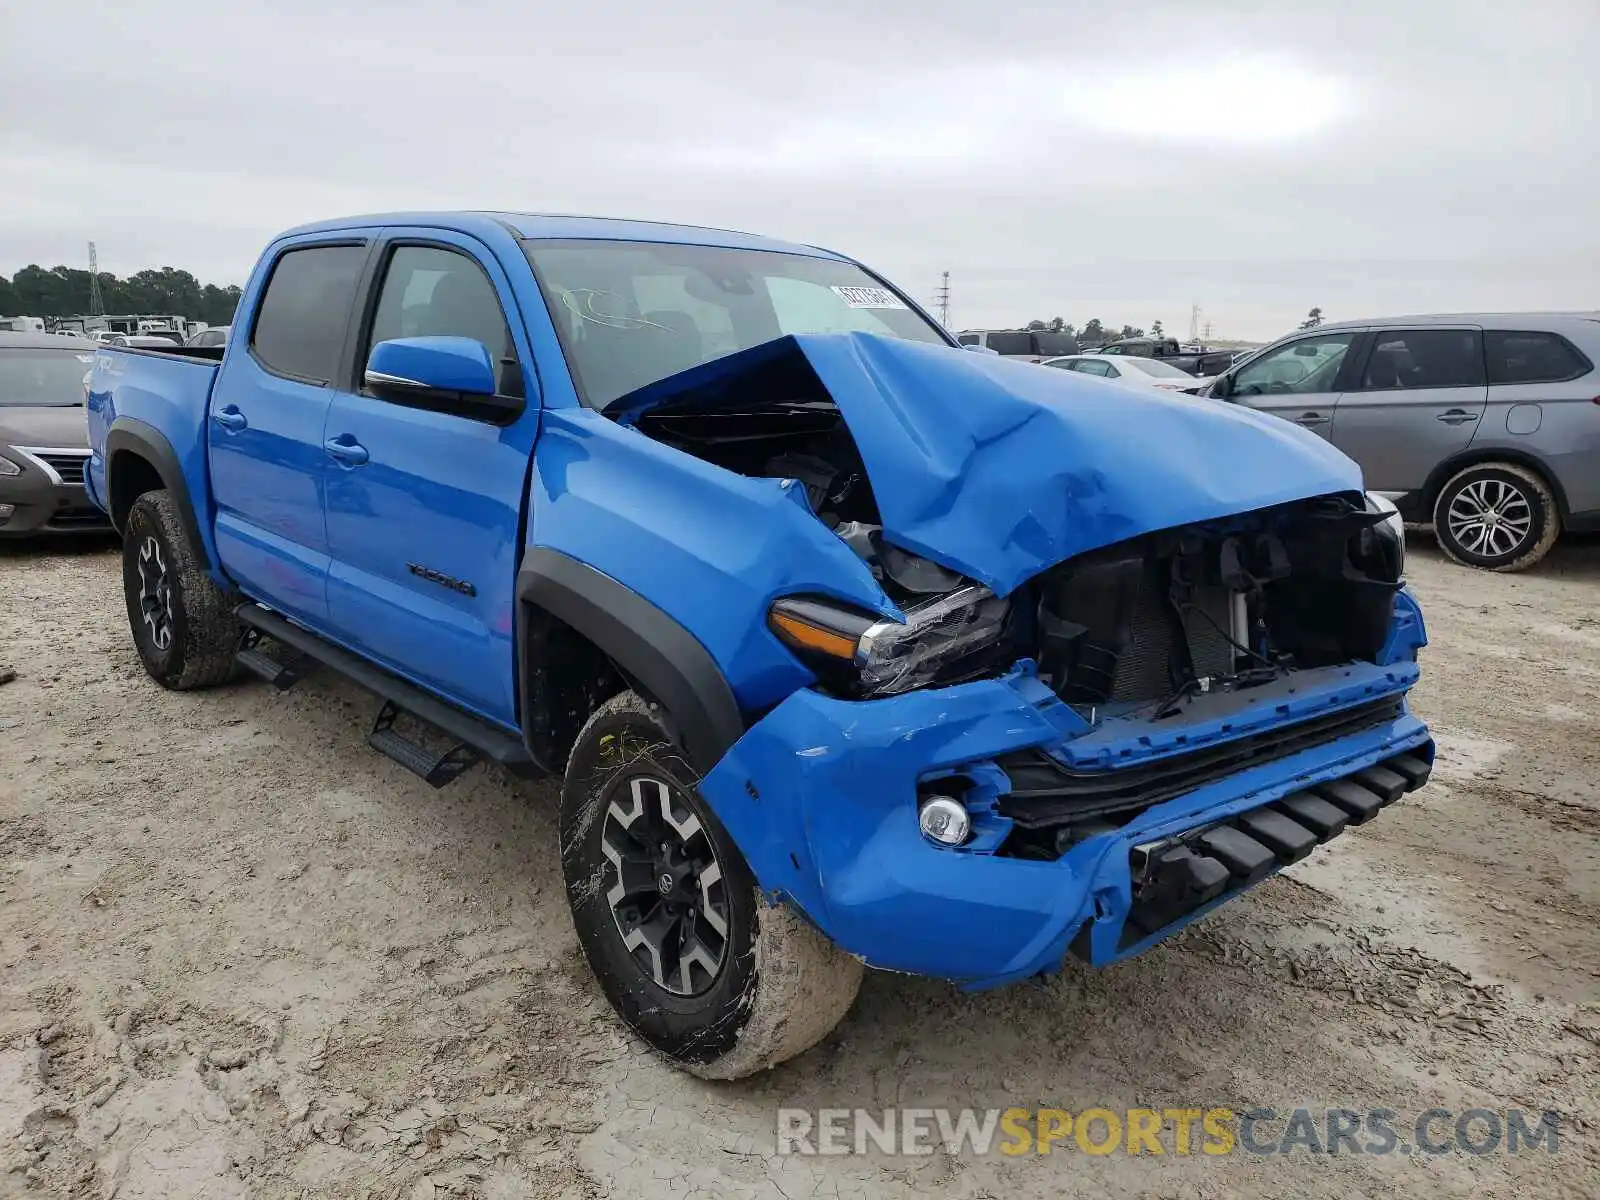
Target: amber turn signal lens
x=805, y=636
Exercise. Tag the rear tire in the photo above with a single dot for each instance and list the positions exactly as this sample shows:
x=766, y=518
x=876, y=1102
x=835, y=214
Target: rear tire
x=1498, y=516
x=183, y=626
x=690, y=954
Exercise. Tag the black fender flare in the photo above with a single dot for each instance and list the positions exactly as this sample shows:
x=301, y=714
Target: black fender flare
x=644, y=643
x=150, y=444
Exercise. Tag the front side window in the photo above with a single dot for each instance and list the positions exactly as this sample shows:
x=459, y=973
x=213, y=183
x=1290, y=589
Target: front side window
x=1532, y=358
x=300, y=325
x=44, y=377
x=430, y=292
x=631, y=313
x=1308, y=365
x=1424, y=358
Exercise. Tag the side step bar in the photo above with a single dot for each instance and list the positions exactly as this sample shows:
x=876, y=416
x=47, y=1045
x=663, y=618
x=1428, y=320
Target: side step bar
x=473, y=738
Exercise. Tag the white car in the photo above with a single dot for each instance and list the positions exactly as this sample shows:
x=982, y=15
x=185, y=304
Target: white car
x=1131, y=369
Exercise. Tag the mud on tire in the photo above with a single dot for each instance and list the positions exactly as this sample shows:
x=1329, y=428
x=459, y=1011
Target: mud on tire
x=183, y=626
x=1496, y=515
x=689, y=953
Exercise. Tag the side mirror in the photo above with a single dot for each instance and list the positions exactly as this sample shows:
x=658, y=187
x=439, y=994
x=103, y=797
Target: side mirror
x=450, y=374
x=1221, y=387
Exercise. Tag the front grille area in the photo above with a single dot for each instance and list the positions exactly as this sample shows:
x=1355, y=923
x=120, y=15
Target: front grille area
x=79, y=518
x=68, y=466
x=1045, y=793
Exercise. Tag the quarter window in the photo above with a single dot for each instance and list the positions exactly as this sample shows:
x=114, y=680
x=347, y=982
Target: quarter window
x=300, y=326
x=1008, y=341
x=1532, y=358
x=1424, y=358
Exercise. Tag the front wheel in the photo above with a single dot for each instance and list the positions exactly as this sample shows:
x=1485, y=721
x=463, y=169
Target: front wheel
x=687, y=950
x=1496, y=515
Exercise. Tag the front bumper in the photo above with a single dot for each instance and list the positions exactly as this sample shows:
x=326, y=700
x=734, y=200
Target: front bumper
x=43, y=503
x=821, y=797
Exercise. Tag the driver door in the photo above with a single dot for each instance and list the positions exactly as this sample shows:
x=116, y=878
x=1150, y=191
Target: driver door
x=1300, y=381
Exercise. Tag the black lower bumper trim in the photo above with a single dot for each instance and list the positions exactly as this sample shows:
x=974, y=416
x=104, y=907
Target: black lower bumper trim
x=1170, y=881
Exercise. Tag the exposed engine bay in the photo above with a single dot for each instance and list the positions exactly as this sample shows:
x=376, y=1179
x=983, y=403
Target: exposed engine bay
x=1146, y=622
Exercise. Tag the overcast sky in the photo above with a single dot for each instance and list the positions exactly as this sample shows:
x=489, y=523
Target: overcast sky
x=1119, y=161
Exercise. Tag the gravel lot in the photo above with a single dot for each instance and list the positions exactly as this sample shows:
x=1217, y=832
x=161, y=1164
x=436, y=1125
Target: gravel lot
x=242, y=955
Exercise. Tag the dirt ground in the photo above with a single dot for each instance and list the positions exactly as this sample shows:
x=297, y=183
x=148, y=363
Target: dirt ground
x=243, y=955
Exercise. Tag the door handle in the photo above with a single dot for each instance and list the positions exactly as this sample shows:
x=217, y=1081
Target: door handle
x=346, y=449
x=230, y=418
x=1456, y=416
x=1311, y=418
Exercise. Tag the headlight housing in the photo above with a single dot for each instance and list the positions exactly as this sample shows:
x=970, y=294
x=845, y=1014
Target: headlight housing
x=8, y=468
x=1392, y=529
x=944, y=639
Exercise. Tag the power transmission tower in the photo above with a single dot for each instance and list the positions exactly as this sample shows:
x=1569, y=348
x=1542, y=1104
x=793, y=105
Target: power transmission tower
x=941, y=299
x=1194, y=322
x=97, y=302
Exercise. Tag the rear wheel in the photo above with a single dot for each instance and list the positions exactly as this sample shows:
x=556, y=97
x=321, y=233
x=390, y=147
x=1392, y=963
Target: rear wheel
x=686, y=949
x=1498, y=516
x=182, y=624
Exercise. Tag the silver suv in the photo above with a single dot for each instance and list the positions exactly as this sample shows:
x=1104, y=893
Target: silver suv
x=1485, y=424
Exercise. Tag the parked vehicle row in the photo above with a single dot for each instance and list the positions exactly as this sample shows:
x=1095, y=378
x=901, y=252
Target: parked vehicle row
x=1206, y=363
x=1030, y=345
x=1485, y=424
x=1128, y=369
x=848, y=646
x=44, y=441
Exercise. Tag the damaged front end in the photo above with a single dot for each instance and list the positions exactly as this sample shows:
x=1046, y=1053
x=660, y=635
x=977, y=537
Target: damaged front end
x=1132, y=655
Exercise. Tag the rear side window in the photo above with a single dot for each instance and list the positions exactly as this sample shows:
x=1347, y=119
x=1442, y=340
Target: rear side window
x=1424, y=358
x=1532, y=358
x=1008, y=341
x=300, y=326
x=1056, y=343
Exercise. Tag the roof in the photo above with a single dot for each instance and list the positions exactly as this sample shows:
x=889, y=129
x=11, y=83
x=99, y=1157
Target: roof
x=42, y=341
x=561, y=225
x=1467, y=318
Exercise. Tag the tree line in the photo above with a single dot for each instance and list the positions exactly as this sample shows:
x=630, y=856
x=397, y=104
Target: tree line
x=1095, y=332
x=35, y=291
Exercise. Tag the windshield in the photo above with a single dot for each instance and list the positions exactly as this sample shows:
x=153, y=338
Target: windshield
x=1152, y=366
x=51, y=378
x=630, y=313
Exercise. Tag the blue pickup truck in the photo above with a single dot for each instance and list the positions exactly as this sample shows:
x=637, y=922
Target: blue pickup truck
x=849, y=646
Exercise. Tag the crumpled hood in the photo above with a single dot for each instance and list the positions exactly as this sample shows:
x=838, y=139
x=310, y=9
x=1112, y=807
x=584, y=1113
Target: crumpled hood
x=1001, y=469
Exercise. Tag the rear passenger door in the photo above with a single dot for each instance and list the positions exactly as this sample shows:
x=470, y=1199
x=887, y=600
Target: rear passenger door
x=264, y=430
x=424, y=505
x=1416, y=400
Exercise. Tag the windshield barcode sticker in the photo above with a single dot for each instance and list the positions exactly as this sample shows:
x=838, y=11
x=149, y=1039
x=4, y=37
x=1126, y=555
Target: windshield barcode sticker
x=868, y=297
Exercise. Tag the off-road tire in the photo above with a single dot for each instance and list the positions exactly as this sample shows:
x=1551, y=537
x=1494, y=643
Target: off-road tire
x=201, y=634
x=1544, y=525
x=781, y=986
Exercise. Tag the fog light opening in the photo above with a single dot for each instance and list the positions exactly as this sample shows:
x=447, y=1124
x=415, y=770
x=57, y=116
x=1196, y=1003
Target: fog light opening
x=945, y=820
x=5, y=512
